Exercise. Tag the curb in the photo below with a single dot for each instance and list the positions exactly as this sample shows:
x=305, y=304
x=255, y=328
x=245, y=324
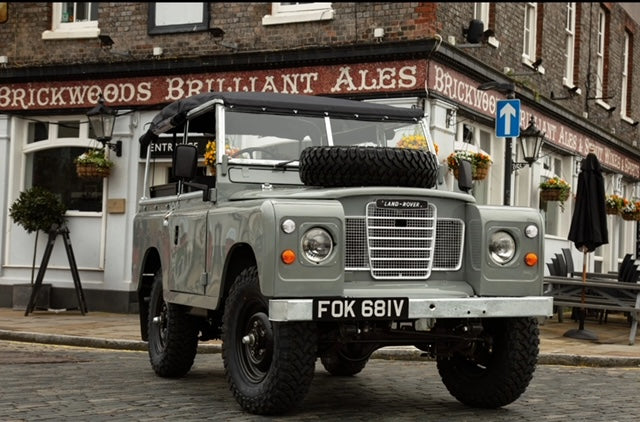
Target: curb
x=387, y=353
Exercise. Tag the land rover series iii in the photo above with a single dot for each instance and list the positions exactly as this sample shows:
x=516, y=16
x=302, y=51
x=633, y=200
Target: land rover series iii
x=314, y=235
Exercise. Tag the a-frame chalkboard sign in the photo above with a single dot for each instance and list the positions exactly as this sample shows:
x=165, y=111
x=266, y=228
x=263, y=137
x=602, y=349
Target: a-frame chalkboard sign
x=53, y=234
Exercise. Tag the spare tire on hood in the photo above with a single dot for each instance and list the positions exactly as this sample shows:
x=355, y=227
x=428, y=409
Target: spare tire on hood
x=342, y=166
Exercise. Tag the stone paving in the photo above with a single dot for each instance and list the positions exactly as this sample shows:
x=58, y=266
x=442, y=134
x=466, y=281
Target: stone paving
x=122, y=331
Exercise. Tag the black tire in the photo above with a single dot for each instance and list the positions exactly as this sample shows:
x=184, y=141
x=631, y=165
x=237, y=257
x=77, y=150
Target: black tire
x=344, y=361
x=501, y=368
x=270, y=372
x=337, y=166
x=173, y=336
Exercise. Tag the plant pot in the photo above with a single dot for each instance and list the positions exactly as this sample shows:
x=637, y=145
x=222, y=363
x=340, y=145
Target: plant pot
x=480, y=173
x=22, y=294
x=630, y=216
x=612, y=210
x=550, y=194
x=92, y=171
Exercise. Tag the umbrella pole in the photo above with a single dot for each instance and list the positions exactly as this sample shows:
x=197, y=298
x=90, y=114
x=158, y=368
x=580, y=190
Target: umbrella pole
x=583, y=311
x=581, y=333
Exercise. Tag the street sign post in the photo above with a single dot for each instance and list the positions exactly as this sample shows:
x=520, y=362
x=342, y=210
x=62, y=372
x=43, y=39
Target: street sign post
x=508, y=118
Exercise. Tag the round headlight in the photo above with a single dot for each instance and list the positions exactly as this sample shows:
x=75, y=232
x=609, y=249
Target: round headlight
x=317, y=245
x=502, y=247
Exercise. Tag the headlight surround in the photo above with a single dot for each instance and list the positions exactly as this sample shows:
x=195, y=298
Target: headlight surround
x=502, y=247
x=316, y=245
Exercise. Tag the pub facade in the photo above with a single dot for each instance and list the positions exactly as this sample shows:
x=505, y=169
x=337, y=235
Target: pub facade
x=138, y=57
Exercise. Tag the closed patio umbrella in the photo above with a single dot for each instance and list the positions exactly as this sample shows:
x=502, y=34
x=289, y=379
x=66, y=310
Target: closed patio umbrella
x=588, y=224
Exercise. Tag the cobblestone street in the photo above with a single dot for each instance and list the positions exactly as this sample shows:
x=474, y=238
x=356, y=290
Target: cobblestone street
x=42, y=382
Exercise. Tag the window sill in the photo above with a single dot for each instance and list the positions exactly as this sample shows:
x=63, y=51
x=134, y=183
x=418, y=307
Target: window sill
x=71, y=34
x=281, y=18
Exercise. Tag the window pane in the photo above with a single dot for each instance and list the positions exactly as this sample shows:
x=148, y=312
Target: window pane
x=54, y=170
x=37, y=131
x=69, y=129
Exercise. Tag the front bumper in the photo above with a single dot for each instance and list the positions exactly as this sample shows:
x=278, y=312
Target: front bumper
x=283, y=310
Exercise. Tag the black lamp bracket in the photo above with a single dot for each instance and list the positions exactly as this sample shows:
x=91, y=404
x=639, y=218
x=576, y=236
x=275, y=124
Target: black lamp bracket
x=113, y=146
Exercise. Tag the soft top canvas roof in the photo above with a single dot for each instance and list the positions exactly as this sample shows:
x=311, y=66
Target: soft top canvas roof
x=172, y=117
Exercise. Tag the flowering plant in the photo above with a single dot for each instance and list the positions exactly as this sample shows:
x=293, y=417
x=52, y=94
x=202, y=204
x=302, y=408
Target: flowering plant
x=97, y=157
x=210, y=154
x=477, y=159
x=559, y=186
x=630, y=210
x=415, y=142
x=615, y=202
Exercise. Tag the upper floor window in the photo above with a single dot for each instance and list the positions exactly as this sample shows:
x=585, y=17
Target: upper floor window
x=529, y=43
x=570, y=45
x=298, y=12
x=73, y=20
x=625, y=91
x=601, y=54
x=178, y=17
x=481, y=12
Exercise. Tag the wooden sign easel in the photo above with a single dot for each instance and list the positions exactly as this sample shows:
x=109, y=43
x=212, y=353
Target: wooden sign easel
x=53, y=234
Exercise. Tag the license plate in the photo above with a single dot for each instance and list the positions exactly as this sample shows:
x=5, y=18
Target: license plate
x=331, y=309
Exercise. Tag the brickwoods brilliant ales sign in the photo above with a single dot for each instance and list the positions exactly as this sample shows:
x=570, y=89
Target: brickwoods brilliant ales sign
x=324, y=80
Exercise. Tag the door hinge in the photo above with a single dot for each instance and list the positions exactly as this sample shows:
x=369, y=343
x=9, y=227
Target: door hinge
x=204, y=279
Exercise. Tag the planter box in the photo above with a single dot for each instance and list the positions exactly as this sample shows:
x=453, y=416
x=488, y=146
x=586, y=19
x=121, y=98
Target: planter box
x=22, y=294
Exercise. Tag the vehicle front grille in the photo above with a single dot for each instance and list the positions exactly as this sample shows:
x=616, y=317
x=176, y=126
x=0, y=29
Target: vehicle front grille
x=403, y=243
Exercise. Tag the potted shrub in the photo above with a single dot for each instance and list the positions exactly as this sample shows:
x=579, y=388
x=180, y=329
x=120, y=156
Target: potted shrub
x=93, y=164
x=36, y=209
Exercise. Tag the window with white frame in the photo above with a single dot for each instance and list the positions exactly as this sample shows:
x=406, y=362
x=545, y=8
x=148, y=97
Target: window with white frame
x=529, y=43
x=290, y=12
x=166, y=17
x=624, y=90
x=570, y=43
x=481, y=12
x=602, y=23
x=50, y=149
x=553, y=211
x=477, y=139
x=73, y=20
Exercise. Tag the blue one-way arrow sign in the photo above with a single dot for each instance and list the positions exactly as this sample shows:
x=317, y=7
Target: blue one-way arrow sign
x=508, y=118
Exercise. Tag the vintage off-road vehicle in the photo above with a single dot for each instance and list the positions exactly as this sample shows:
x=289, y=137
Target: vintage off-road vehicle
x=316, y=236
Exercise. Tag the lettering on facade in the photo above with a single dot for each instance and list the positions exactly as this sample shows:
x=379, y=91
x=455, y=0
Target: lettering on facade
x=335, y=79
x=458, y=87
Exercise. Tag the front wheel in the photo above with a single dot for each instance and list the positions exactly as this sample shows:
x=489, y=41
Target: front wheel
x=269, y=366
x=498, y=367
x=173, y=336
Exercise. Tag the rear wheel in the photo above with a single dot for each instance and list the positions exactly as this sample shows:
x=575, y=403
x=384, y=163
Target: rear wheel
x=269, y=366
x=173, y=335
x=498, y=368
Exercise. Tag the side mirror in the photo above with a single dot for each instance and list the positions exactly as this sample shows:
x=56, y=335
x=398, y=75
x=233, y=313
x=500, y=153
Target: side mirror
x=185, y=161
x=465, y=180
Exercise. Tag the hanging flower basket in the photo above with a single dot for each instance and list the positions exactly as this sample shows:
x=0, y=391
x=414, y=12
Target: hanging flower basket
x=92, y=171
x=93, y=165
x=552, y=195
x=480, y=172
x=611, y=210
x=630, y=216
x=480, y=163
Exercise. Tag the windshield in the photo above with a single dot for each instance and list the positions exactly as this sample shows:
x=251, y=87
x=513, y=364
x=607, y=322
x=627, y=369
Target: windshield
x=270, y=139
